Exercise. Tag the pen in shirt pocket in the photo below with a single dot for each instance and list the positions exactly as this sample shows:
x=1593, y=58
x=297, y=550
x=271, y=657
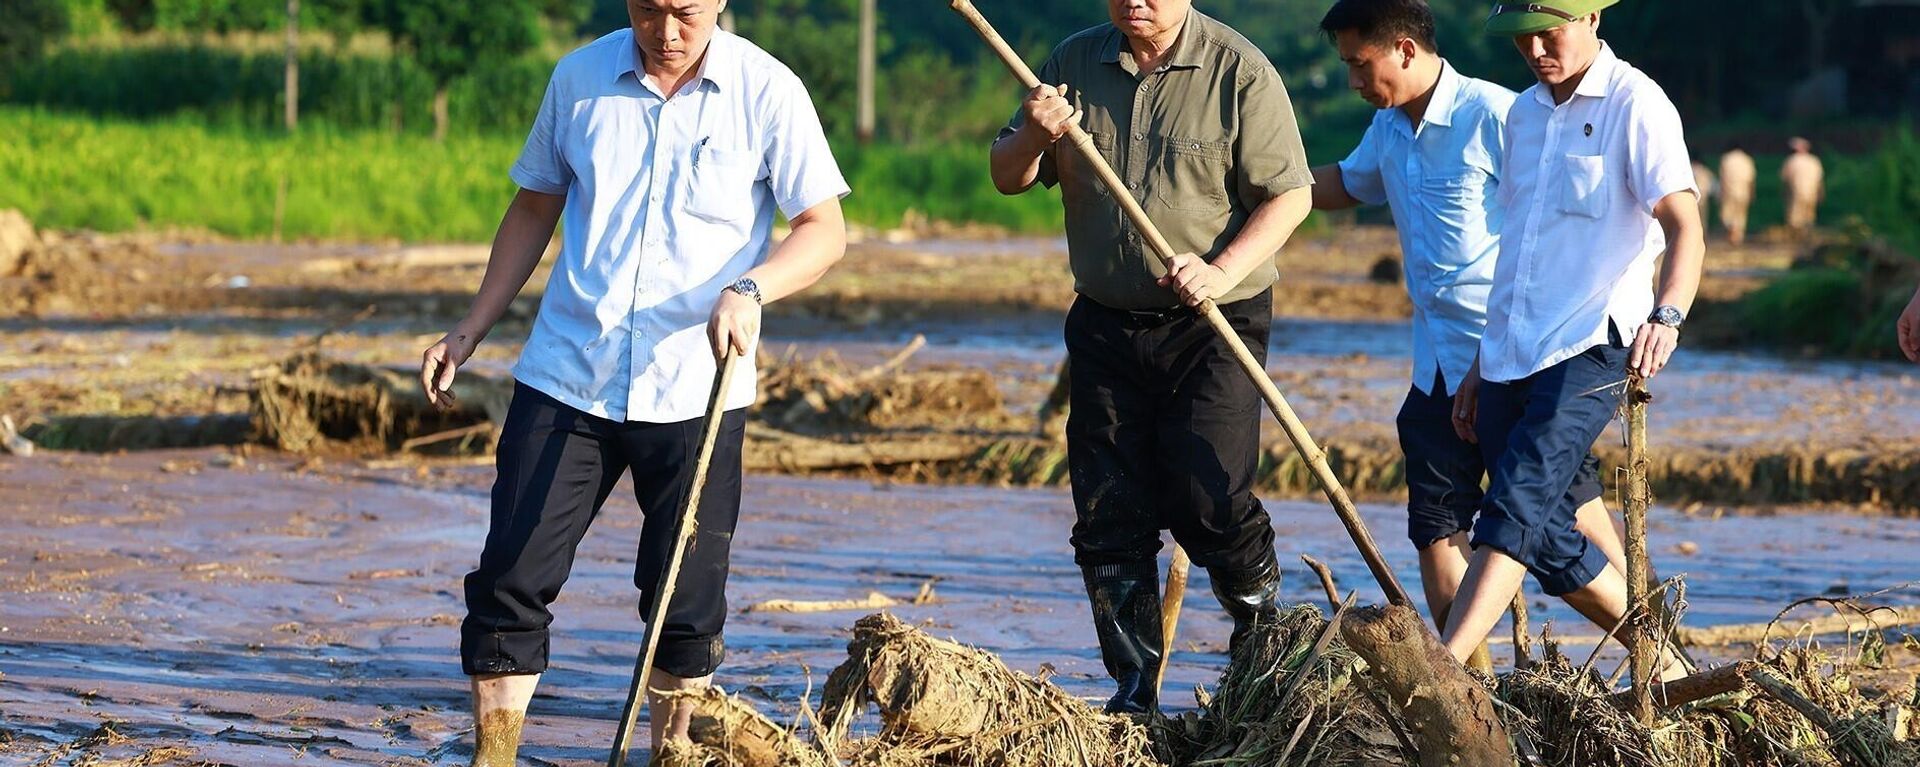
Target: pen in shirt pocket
x=699, y=146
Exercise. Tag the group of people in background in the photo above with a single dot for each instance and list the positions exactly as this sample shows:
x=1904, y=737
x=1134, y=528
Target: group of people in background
x=1803, y=183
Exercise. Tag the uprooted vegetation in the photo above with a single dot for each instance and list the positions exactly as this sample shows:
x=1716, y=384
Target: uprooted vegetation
x=1297, y=694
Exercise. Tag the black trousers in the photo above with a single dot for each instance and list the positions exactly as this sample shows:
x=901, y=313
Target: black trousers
x=1165, y=434
x=556, y=467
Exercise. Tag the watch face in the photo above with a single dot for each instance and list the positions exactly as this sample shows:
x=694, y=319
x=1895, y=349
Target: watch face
x=1669, y=316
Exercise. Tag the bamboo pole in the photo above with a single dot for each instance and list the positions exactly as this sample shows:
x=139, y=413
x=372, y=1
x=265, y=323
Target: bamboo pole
x=1170, y=613
x=1643, y=645
x=1296, y=431
x=684, y=529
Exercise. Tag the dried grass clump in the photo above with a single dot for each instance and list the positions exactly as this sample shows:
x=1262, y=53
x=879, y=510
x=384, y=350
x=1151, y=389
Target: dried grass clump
x=822, y=395
x=942, y=703
x=1281, y=702
x=308, y=400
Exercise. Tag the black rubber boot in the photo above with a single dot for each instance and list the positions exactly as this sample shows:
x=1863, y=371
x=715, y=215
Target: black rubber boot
x=1251, y=596
x=1126, y=617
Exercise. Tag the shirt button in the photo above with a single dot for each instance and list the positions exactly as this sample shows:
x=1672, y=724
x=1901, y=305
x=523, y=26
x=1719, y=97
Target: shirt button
x=1139, y=137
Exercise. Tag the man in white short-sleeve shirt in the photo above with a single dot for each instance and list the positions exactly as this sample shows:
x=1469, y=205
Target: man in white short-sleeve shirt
x=1598, y=188
x=1433, y=155
x=666, y=149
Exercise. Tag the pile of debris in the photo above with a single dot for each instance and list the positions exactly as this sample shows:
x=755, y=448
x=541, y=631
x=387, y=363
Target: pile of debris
x=823, y=396
x=1364, y=688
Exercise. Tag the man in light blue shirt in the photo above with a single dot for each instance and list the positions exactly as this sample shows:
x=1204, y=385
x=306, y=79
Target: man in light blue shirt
x=1433, y=155
x=666, y=149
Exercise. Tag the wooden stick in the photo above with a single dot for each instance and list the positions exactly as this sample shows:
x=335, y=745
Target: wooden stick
x=1876, y=618
x=684, y=529
x=1296, y=431
x=1451, y=715
x=1170, y=613
x=1326, y=581
x=1694, y=687
x=1522, y=632
x=1643, y=646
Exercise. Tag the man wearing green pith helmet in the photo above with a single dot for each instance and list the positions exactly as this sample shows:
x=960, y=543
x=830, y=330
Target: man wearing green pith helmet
x=1599, y=189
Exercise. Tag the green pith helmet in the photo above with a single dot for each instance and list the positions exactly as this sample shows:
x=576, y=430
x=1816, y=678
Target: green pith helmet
x=1527, y=18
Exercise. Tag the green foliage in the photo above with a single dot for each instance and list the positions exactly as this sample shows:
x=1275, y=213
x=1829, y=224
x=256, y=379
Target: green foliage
x=947, y=182
x=224, y=86
x=1824, y=311
x=27, y=27
x=74, y=172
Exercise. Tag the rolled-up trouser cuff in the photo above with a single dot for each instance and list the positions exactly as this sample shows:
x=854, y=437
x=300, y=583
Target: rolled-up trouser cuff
x=1524, y=546
x=694, y=657
x=1428, y=525
x=494, y=652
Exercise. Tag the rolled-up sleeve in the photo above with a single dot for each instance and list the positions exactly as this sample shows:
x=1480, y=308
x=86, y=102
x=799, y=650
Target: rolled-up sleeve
x=542, y=167
x=801, y=171
x=1050, y=74
x=1269, y=159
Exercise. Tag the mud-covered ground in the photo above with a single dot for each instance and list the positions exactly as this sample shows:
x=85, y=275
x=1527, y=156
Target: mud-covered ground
x=235, y=605
x=272, y=611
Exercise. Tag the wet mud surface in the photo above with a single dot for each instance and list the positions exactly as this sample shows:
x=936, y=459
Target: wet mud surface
x=274, y=611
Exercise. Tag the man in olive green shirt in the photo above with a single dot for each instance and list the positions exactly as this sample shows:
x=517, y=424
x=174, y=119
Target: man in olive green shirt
x=1164, y=431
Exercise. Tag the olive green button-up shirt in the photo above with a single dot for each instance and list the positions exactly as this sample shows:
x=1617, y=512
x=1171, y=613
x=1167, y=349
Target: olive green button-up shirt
x=1201, y=142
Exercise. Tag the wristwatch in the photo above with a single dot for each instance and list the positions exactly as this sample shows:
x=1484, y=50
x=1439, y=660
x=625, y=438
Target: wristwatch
x=1668, y=315
x=747, y=287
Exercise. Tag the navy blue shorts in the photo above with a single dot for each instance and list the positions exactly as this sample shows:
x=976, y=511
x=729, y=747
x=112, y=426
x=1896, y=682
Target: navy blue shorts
x=1444, y=472
x=1534, y=433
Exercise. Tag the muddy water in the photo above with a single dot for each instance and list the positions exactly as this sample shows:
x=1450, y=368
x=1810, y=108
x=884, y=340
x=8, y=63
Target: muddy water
x=269, y=613
x=1349, y=376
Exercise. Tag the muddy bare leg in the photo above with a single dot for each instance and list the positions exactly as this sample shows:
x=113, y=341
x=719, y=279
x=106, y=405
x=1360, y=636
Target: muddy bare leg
x=499, y=710
x=1604, y=601
x=667, y=720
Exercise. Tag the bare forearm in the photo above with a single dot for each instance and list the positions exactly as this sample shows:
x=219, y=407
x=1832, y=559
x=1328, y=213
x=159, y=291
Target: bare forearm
x=1686, y=251
x=1330, y=190
x=817, y=242
x=1265, y=232
x=1016, y=162
x=521, y=240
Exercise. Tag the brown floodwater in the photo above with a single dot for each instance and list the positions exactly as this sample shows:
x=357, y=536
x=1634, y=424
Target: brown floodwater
x=276, y=612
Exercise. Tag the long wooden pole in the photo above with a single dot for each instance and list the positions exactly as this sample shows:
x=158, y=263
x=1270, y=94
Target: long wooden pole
x=684, y=529
x=1296, y=431
x=864, y=80
x=1642, y=641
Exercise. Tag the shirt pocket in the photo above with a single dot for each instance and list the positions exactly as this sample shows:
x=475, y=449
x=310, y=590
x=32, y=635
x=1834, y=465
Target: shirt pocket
x=720, y=184
x=1080, y=184
x=1585, y=193
x=1192, y=175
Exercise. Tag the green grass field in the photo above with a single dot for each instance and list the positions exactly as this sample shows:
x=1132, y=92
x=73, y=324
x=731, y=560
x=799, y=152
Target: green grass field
x=72, y=172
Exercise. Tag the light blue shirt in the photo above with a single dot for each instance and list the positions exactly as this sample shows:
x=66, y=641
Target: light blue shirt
x=669, y=200
x=1440, y=179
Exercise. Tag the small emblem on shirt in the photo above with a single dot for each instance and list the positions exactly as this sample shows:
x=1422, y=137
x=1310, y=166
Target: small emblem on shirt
x=1589, y=129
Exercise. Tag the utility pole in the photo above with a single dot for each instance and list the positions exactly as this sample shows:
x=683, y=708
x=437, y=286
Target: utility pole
x=293, y=65
x=863, y=119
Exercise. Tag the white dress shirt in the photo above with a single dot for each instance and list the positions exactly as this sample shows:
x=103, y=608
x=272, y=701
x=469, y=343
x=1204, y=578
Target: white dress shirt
x=1579, y=243
x=668, y=202
x=1439, y=178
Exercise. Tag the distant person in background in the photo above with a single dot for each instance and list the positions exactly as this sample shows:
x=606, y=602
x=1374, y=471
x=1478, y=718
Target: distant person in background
x=1433, y=155
x=1805, y=183
x=1909, y=328
x=1737, y=175
x=1703, y=178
